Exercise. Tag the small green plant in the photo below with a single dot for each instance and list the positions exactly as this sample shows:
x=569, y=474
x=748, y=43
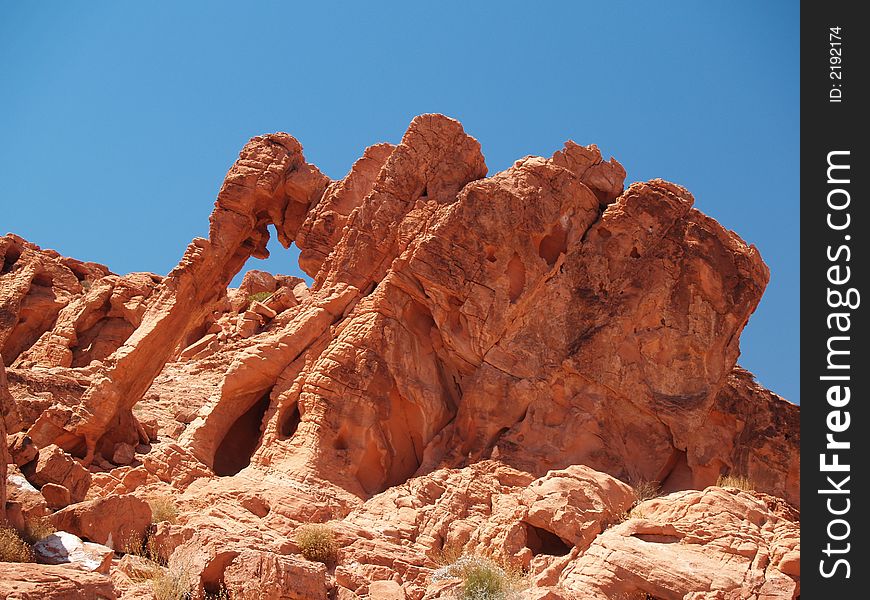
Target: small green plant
x=482, y=579
x=259, y=297
x=317, y=543
x=736, y=481
x=163, y=509
x=13, y=547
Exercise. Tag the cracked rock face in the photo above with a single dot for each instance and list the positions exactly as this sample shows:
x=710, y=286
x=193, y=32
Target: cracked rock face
x=481, y=365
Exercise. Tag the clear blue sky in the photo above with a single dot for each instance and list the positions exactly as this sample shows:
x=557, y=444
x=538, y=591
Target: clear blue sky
x=118, y=120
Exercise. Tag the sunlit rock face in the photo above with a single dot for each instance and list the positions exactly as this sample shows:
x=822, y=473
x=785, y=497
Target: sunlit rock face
x=480, y=365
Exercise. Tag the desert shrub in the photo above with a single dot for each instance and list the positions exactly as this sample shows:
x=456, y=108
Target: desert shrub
x=172, y=584
x=736, y=481
x=163, y=509
x=259, y=297
x=13, y=548
x=222, y=593
x=37, y=530
x=317, y=543
x=646, y=490
x=448, y=555
x=482, y=579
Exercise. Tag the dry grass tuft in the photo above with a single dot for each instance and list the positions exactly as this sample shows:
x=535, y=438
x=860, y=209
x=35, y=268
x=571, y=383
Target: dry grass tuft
x=172, y=584
x=736, y=481
x=163, y=509
x=13, y=547
x=483, y=579
x=646, y=490
x=317, y=543
x=38, y=530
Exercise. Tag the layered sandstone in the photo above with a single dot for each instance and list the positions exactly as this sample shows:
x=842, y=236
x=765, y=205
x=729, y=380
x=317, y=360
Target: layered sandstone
x=481, y=365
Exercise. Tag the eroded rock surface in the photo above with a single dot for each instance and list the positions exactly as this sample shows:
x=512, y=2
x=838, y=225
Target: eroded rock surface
x=482, y=365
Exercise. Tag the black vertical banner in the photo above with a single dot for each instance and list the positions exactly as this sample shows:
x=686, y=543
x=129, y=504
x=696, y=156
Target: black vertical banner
x=835, y=224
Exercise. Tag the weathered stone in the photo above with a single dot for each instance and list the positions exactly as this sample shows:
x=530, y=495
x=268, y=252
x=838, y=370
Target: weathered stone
x=56, y=496
x=62, y=548
x=479, y=366
x=254, y=575
x=50, y=582
x=116, y=521
x=21, y=448
x=124, y=454
x=56, y=466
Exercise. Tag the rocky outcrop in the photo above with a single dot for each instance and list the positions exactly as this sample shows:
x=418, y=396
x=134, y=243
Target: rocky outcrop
x=482, y=365
x=35, y=285
x=716, y=543
x=5, y=456
x=92, y=326
x=52, y=582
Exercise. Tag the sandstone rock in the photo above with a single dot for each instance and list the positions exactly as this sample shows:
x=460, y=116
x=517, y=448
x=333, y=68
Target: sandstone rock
x=56, y=466
x=62, y=548
x=21, y=448
x=95, y=324
x=24, y=502
x=254, y=575
x=478, y=367
x=386, y=590
x=715, y=541
x=47, y=582
x=151, y=428
x=56, y=496
x=35, y=285
x=5, y=405
x=115, y=521
x=263, y=310
x=124, y=454
x=137, y=567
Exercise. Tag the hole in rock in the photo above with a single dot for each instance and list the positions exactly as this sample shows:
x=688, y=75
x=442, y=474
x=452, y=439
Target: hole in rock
x=284, y=261
x=290, y=421
x=553, y=244
x=42, y=280
x=634, y=252
x=235, y=450
x=9, y=260
x=657, y=538
x=677, y=474
x=212, y=577
x=425, y=193
x=516, y=272
x=541, y=541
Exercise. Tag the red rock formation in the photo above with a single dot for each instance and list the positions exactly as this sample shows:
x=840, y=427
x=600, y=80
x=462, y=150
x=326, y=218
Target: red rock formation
x=481, y=366
x=5, y=455
x=52, y=582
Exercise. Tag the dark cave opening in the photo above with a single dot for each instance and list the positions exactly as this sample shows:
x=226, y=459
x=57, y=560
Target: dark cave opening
x=9, y=259
x=235, y=450
x=289, y=422
x=541, y=541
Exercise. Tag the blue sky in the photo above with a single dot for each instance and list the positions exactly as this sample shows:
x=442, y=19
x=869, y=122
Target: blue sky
x=118, y=120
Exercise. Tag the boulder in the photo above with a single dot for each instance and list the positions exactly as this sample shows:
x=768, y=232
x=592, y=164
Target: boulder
x=56, y=466
x=53, y=582
x=124, y=454
x=56, y=496
x=253, y=575
x=21, y=448
x=63, y=548
x=116, y=521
